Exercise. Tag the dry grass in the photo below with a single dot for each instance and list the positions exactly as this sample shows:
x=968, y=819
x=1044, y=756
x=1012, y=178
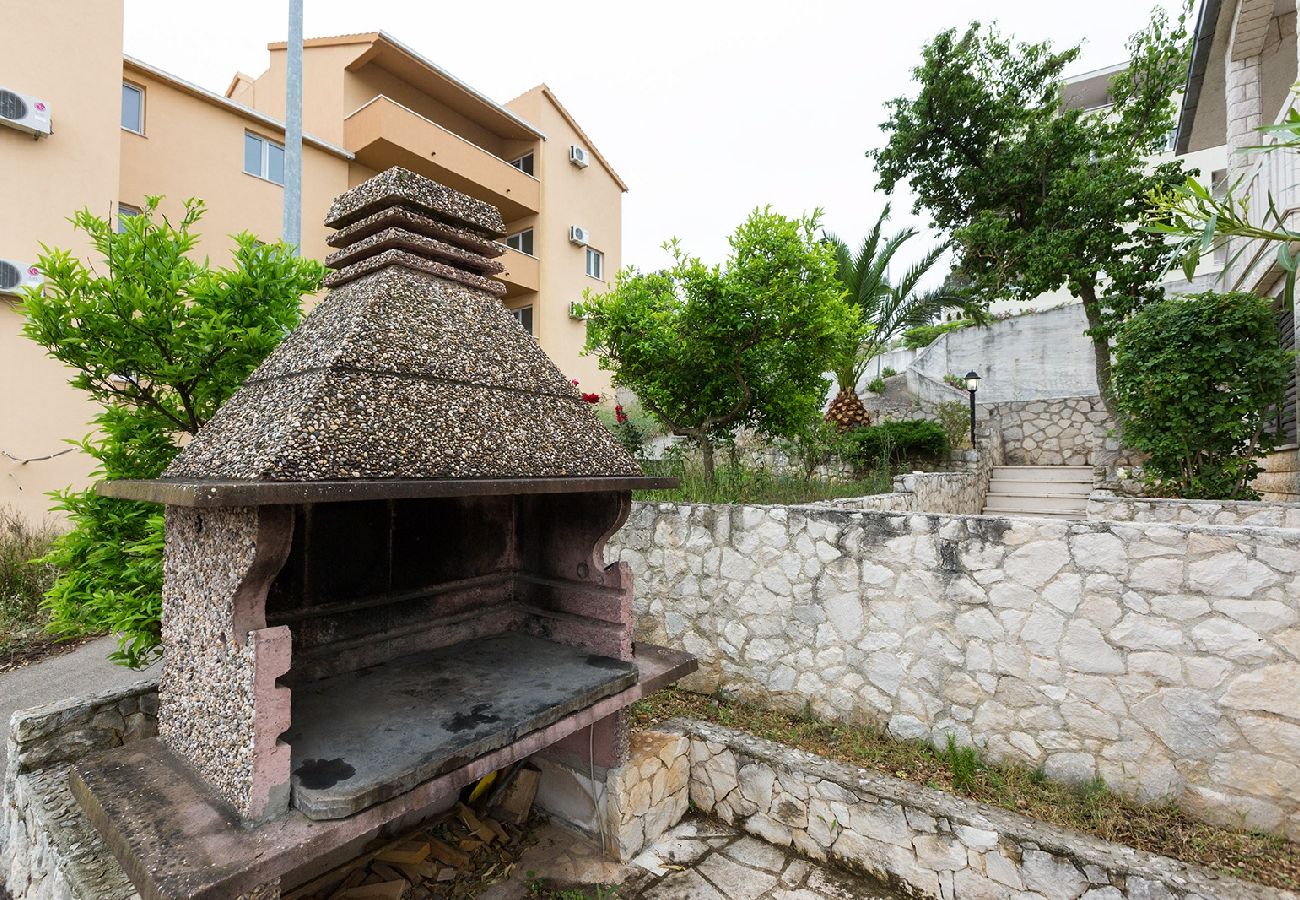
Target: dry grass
x=22, y=587
x=1167, y=830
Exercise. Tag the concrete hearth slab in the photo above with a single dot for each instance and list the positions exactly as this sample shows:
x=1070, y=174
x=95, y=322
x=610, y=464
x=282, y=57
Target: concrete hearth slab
x=363, y=737
x=175, y=839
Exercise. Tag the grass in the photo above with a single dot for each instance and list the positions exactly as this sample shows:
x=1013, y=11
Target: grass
x=22, y=587
x=741, y=484
x=1165, y=829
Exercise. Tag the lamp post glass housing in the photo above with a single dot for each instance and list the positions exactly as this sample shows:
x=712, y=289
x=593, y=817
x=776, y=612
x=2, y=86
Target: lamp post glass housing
x=972, y=385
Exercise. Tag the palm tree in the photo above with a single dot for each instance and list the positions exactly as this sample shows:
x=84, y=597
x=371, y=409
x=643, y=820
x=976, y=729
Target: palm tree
x=887, y=308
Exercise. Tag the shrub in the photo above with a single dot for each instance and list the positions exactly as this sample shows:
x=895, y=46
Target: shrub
x=876, y=385
x=1195, y=379
x=925, y=335
x=954, y=418
x=955, y=381
x=160, y=340
x=888, y=372
x=816, y=444
x=896, y=443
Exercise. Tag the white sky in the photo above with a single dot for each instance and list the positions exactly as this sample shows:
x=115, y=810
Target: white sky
x=706, y=108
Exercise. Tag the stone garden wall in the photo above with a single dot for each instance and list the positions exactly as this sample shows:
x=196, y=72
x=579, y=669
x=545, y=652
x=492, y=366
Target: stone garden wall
x=1107, y=506
x=48, y=849
x=1073, y=431
x=929, y=843
x=1160, y=657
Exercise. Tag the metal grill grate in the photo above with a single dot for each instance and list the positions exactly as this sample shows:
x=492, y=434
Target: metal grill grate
x=12, y=106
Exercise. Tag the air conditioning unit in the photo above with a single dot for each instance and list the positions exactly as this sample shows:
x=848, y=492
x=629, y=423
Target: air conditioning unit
x=24, y=113
x=577, y=311
x=15, y=277
x=578, y=235
x=578, y=156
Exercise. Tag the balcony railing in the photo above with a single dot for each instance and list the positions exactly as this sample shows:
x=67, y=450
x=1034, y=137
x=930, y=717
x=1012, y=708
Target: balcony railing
x=385, y=133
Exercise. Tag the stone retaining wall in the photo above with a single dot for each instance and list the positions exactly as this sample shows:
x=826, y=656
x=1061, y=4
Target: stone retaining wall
x=1162, y=658
x=1106, y=506
x=47, y=848
x=925, y=841
x=1074, y=431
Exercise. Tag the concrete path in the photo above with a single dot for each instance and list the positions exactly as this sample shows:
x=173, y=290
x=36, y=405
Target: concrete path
x=84, y=670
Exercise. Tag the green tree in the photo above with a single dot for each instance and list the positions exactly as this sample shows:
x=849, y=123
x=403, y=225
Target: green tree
x=1034, y=195
x=160, y=341
x=1195, y=380
x=710, y=349
x=886, y=308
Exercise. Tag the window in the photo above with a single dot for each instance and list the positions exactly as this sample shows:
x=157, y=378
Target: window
x=124, y=212
x=595, y=264
x=524, y=163
x=524, y=315
x=133, y=108
x=263, y=158
x=523, y=241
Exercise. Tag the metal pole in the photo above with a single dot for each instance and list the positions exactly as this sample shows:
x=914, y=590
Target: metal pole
x=293, y=131
x=972, y=419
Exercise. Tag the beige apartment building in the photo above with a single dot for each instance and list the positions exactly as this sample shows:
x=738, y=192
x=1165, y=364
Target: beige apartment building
x=121, y=130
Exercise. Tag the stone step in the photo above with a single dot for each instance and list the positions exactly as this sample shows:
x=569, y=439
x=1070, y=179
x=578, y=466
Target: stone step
x=1033, y=502
x=1034, y=514
x=1072, y=474
x=1039, y=488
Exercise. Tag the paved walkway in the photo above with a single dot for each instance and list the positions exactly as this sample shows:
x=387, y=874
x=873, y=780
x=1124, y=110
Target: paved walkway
x=84, y=670
x=700, y=859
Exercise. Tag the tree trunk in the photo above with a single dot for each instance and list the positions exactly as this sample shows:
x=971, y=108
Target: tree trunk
x=706, y=454
x=1100, y=344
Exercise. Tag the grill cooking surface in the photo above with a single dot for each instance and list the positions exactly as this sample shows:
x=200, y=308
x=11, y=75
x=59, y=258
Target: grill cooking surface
x=365, y=736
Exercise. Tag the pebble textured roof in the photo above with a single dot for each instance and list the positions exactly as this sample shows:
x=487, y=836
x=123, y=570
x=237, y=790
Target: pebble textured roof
x=402, y=187
x=411, y=369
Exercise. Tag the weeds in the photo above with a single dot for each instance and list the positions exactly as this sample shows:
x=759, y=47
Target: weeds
x=743, y=484
x=1090, y=807
x=22, y=583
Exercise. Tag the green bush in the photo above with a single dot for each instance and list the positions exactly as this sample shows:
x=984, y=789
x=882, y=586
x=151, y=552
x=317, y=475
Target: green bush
x=924, y=335
x=160, y=340
x=876, y=385
x=888, y=372
x=1195, y=380
x=897, y=443
x=954, y=418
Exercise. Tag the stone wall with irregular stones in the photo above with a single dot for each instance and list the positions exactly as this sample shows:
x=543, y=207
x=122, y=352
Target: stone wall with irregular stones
x=648, y=795
x=48, y=849
x=1280, y=480
x=1162, y=658
x=1075, y=431
x=1107, y=506
x=925, y=841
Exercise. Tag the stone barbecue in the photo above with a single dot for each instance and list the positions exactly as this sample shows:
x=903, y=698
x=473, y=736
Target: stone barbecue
x=384, y=569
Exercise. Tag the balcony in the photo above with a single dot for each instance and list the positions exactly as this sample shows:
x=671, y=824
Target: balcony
x=383, y=133
x=523, y=274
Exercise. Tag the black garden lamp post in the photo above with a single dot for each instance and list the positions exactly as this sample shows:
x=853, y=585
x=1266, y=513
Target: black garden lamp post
x=972, y=385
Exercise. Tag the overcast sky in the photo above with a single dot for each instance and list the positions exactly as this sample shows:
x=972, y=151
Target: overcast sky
x=706, y=108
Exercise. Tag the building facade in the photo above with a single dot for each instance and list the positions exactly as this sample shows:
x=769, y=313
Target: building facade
x=124, y=130
x=1244, y=66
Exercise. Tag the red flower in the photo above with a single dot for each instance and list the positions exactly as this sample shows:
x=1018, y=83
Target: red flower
x=620, y=415
x=591, y=398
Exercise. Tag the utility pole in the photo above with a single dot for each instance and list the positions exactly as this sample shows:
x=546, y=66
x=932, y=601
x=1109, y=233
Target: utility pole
x=293, y=132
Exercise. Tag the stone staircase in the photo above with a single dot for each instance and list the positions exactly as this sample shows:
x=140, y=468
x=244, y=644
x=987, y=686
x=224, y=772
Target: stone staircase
x=1056, y=491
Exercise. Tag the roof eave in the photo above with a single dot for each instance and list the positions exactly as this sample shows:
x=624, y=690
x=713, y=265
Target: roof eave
x=239, y=109
x=1207, y=21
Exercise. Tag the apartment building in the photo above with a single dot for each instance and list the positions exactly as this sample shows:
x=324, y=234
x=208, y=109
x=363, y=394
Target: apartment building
x=1242, y=76
x=122, y=130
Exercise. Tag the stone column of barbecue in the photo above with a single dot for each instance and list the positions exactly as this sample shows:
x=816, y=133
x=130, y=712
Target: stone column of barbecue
x=219, y=705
